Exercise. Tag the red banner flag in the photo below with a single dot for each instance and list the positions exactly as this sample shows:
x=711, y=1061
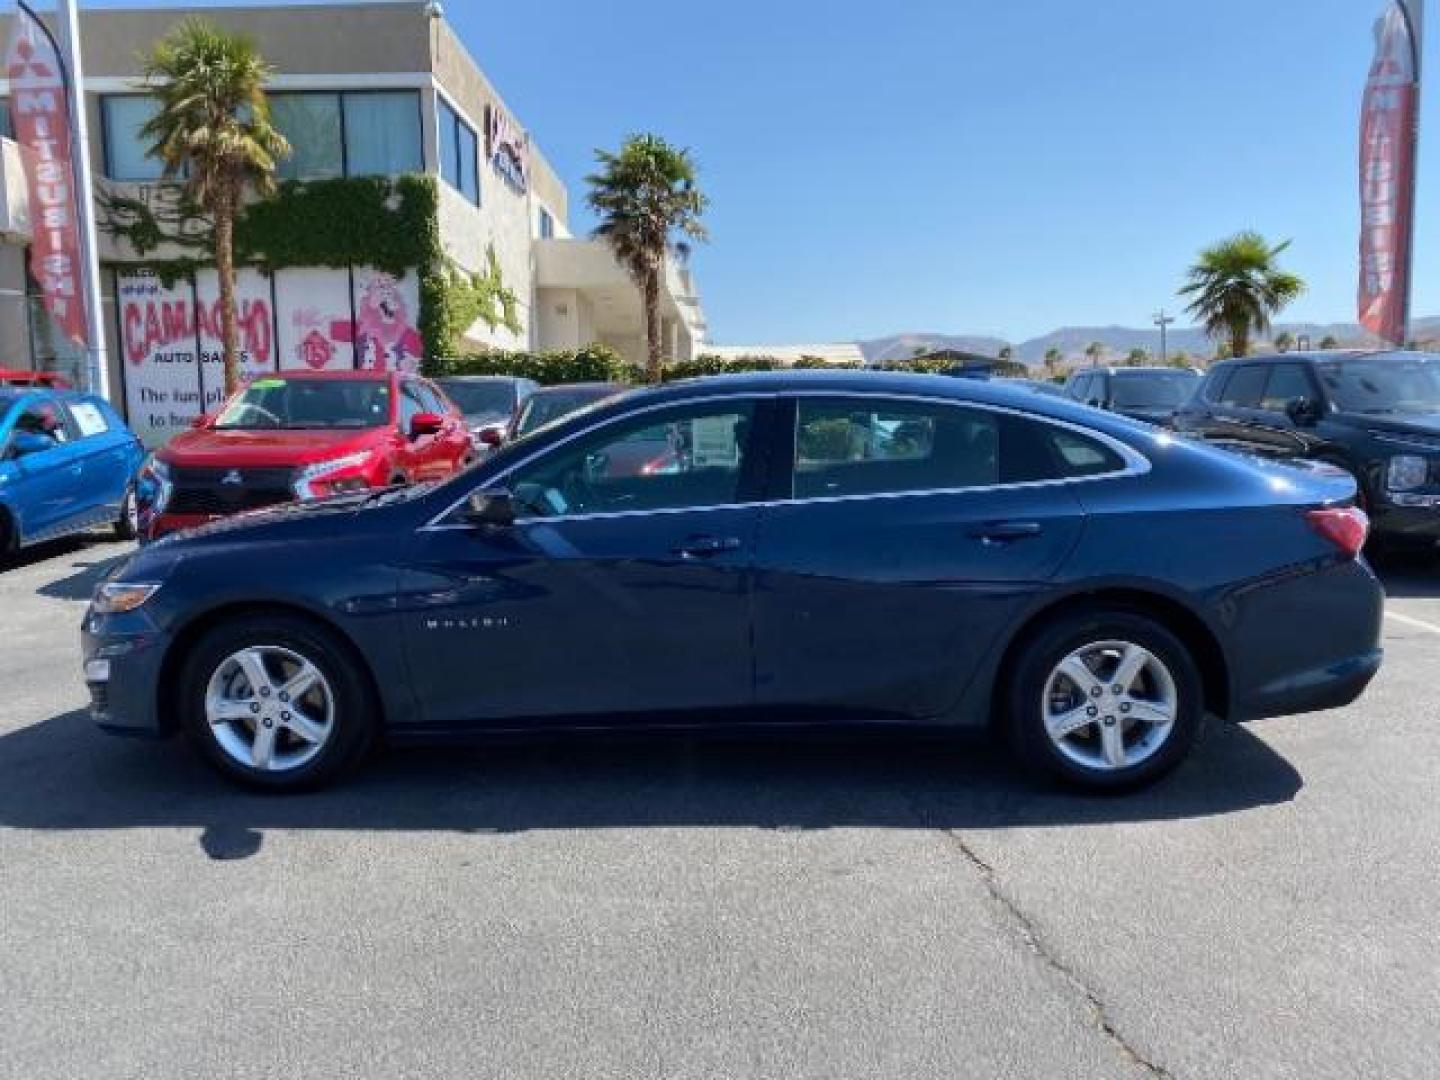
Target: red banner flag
x=41, y=116
x=1388, y=131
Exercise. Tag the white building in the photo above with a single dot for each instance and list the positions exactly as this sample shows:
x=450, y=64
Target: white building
x=362, y=90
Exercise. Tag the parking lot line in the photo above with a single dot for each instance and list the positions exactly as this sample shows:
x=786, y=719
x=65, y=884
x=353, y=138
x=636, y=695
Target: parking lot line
x=1419, y=624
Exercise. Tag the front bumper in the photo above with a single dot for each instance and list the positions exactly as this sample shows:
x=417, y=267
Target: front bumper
x=122, y=657
x=1417, y=526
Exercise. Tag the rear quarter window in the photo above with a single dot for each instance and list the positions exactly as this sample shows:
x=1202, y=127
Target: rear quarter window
x=1032, y=451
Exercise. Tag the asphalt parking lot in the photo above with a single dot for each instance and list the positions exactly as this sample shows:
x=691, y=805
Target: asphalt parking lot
x=683, y=908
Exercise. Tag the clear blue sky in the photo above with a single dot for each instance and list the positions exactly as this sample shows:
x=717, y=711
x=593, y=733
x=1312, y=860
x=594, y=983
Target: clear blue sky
x=958, y=165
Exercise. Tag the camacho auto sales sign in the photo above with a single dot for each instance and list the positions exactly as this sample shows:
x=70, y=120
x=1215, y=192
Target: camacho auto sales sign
x=41, y=117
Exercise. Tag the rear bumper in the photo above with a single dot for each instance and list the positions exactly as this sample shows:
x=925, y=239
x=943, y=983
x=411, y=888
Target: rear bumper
x=1305, y=641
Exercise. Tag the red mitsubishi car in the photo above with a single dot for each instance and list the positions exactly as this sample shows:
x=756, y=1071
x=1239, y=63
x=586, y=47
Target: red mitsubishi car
x=303, y=435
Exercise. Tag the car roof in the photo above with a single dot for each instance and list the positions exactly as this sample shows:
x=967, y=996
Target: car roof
x=870, y=381
x=1317, y=355
x=571, y=387
x=330, y=376
x=480, y=378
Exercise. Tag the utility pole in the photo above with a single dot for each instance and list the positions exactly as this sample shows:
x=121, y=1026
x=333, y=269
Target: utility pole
x=97, y=373
x=1163, y=321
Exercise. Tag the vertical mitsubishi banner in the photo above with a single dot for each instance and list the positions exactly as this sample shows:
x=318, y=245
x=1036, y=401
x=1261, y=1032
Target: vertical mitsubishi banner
x=1389, y=136
x=40, y=109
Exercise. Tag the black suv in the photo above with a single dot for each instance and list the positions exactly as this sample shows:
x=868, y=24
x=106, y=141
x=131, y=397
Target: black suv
x=1374, y=414
x=1152, y=394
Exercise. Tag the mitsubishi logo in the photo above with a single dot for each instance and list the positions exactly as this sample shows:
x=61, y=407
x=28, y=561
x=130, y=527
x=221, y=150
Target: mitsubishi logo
x=232, y=477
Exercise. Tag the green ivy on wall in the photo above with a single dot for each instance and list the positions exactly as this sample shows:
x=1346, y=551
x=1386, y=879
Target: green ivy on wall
x=390, y=224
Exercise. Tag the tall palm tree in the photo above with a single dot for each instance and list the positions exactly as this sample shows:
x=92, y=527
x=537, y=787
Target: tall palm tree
x=212, y=128
x=1095, y=350
x=1052, y=359
x=649, y=207
x=1236, y=288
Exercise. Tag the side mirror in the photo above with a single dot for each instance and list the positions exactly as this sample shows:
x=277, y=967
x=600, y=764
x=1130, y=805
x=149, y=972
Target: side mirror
x=492, y=436
x=28, y=442
x=495, y=508
x=1302, y=412
x=426, y=423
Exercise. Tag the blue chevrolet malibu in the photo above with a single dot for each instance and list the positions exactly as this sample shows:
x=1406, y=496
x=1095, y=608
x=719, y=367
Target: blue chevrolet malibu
x=816, y=548
x=67, y=465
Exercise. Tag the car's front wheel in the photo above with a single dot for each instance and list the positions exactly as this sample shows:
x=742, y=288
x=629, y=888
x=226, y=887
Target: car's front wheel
x=276, y=702
x=1104, y=700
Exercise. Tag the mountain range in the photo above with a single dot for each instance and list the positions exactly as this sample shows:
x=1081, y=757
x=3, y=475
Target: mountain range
x=1117, y=340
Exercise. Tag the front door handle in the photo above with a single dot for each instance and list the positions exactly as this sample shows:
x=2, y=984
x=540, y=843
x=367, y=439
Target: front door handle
x=1005, y=532
x=703, y=547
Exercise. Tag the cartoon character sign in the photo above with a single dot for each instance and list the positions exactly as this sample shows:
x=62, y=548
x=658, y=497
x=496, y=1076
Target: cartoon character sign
x=385, y=335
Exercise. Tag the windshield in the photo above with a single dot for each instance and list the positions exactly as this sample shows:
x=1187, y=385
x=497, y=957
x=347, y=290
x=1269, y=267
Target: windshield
x=1160, y=390
x=1384, y=384
x=547, y=407
x=476, y=399
x=308, y=403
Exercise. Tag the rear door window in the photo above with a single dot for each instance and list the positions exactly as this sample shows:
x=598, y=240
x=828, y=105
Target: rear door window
x=1245, y=388
x=872, y=447
x=1287, y=383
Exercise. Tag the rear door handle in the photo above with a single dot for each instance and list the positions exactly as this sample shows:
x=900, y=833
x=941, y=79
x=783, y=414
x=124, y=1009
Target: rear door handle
x=703, y=547
x=1005, y=532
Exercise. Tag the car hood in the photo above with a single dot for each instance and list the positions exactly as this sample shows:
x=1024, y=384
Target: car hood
x=1150, y=416
x=208, y=447
x=1395, y=424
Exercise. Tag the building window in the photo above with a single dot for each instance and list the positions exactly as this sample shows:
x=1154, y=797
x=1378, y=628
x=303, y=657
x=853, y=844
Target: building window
x=547, y=225
x=364, y=133
x=311, y=124
x=459, y=153
x=126, y=150
x=382, y=133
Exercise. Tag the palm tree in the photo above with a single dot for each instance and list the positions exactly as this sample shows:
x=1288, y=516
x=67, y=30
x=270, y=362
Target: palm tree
x=1052, y=359
x=1284, y=341
x=212, y=128
x=1137, y=357
x=1329, y=341
x=1236, y=288
x=1095, y=350
x=648, y=206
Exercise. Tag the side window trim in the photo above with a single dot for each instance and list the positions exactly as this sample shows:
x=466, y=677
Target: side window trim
x=772, y=412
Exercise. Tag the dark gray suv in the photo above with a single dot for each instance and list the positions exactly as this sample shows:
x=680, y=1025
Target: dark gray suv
x=1374, y=414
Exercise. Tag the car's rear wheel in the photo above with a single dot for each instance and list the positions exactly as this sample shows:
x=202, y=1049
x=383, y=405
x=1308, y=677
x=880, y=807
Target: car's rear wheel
x=1104, y=700
x=127, y=525
x=276, y=702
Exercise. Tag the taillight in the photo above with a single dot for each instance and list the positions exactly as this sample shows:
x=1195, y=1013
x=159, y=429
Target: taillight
x=1346, y=527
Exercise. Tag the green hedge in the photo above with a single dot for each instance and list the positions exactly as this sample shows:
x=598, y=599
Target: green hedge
x=600, y=363
x=593, y=363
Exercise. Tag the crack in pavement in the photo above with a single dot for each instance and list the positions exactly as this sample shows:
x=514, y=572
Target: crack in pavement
x=1035, y=942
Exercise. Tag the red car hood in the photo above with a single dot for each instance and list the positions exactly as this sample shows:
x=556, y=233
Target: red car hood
x=209, y=448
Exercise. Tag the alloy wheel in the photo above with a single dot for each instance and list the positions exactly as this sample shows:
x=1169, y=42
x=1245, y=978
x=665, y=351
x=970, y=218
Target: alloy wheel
x=1110, y=705
x=270, y=708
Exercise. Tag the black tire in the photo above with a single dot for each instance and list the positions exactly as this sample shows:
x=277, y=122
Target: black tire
x=352, y=729
x=1026, y=705
x=9, y=537
x=125, y=527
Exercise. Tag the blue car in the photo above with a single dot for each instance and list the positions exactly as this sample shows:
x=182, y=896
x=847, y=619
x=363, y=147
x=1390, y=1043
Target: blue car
x=67, y=464
x=813, y=548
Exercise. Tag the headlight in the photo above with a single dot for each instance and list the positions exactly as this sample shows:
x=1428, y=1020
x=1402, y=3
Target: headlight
x=117, y=597
x=314, y=481
x=1407, y=472
x=153, y=485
